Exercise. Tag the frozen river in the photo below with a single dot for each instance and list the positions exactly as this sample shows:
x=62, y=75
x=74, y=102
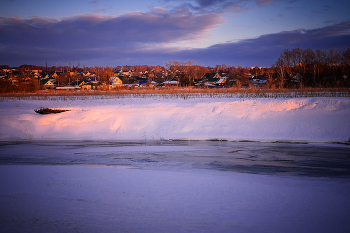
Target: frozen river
x=173, y=186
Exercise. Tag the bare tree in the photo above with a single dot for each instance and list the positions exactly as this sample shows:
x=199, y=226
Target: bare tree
x=286, y=58
x=64, y=79
x=280, y=69
x=297, y=59
x=346, y=56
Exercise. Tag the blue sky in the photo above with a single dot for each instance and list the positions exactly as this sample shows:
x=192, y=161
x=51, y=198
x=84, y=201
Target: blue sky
x=151, y=32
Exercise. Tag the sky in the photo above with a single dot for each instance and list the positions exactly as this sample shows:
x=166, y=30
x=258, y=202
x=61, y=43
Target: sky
x=152, y=32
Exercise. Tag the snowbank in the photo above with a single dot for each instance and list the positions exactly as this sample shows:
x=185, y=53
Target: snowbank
x=319, y=119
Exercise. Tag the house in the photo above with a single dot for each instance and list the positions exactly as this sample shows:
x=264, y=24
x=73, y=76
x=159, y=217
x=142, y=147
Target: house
x=123, y=72
x=81, y=83
x=45, y=76
x=86, y=86
x=47, y=83
x=170, y=83
x=258, y=80
x=86, y=74
x=217, y=76
x=142, y=83
x=115, y=81
x=211, y=80
x=221, y=81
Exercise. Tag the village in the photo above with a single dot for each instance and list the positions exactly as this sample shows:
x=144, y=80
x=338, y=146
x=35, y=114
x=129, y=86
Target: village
x=61, y=78
x=294, y=69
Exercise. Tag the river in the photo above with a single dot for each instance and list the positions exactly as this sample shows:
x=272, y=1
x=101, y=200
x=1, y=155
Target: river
x=173, y=186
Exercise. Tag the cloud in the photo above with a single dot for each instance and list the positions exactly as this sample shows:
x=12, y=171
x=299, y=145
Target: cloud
x=98, y=2
x=261, y=51
x=293, y=8
x=206, y=3
x=223, y=6
x=326, y=8
x=265, y=50
x=143, y=38
x=96, y=34
x=97, y=31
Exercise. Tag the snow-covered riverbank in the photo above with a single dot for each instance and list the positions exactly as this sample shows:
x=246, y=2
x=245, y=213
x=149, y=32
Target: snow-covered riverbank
x=319, y=119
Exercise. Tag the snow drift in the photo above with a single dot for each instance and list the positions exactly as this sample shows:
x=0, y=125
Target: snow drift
x=320, y=119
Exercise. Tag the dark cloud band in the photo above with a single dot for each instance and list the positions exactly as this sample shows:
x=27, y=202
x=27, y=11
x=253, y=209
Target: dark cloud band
x=139, y=38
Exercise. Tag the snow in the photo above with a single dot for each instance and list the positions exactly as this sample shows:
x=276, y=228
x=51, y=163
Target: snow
x=52, y=182
x=320, y=119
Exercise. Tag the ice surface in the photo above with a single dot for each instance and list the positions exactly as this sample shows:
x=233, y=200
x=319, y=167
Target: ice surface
x=311, y=160
x=107, y=199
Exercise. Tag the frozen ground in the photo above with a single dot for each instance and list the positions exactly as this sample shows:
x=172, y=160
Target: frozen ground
x=108, y=166
x=294, y=119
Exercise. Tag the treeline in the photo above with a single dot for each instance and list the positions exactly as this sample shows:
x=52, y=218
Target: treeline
x=320, y=68
x=17, y=82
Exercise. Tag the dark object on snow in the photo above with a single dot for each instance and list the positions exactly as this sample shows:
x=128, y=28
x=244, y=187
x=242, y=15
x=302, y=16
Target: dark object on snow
x=49, y=110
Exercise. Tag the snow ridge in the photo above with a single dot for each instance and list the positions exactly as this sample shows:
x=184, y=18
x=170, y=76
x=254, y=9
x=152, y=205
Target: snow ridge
x=318, y=119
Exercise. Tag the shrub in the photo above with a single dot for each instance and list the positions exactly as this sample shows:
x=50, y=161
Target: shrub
x=49, y=111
